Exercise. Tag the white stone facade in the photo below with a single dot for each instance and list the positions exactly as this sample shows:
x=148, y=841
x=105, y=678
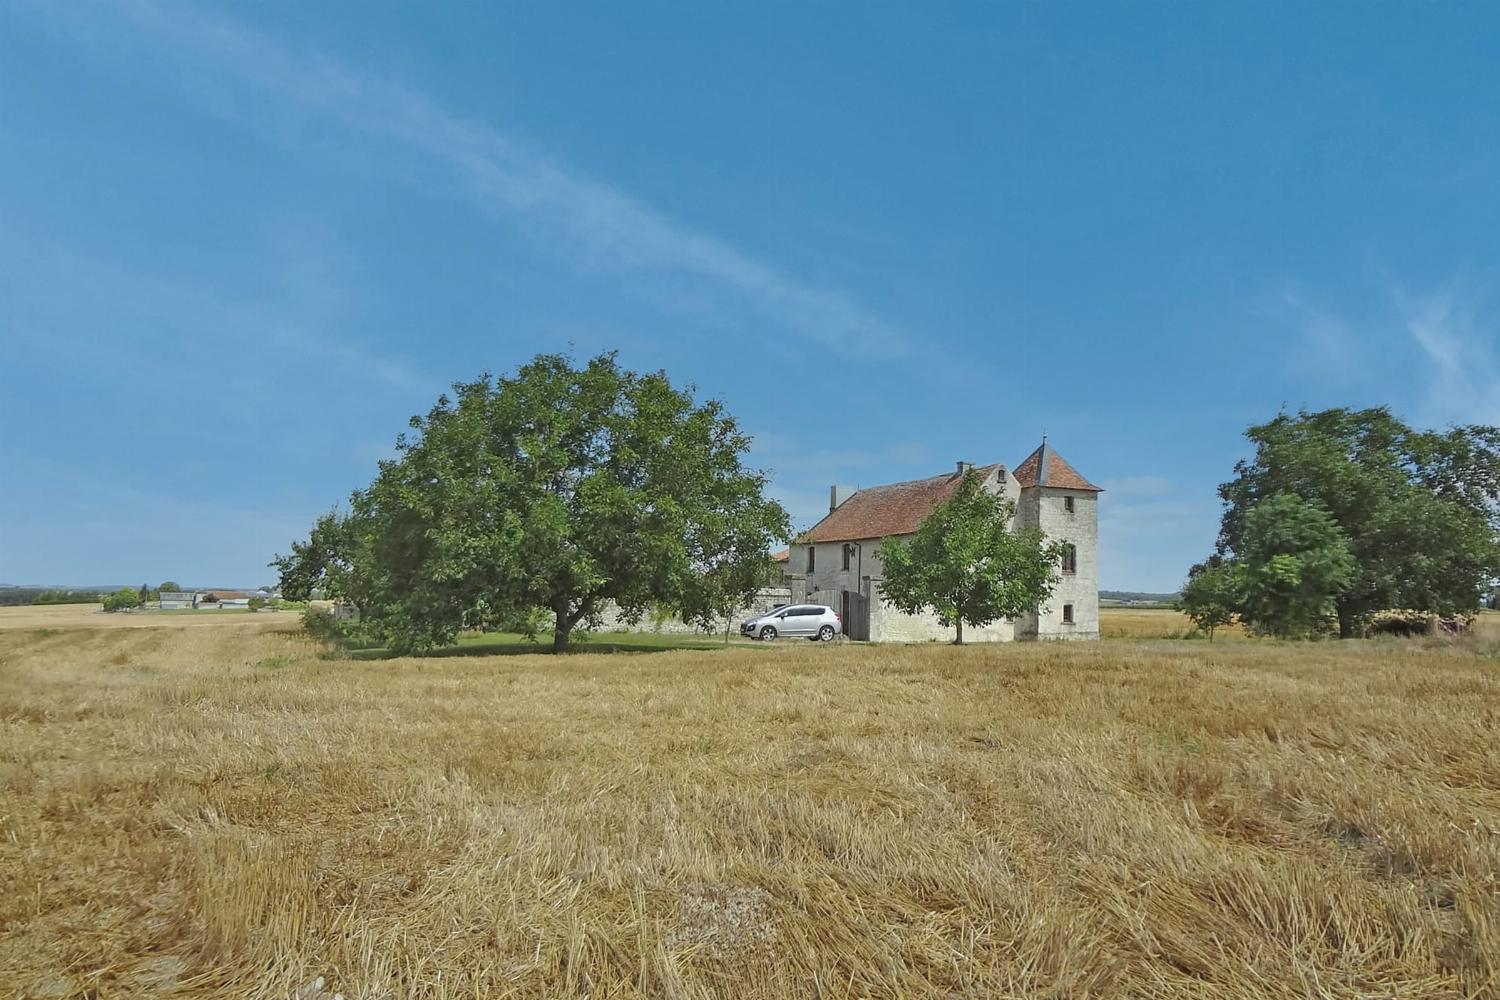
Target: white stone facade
x=1046, y=507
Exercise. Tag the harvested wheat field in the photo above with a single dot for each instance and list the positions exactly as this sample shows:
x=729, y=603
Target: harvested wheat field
x=1154, y=623
x=76, y=616
x=221, y=813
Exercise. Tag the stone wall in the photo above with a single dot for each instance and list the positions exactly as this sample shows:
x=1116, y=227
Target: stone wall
x=889, y=625
x=764, y=600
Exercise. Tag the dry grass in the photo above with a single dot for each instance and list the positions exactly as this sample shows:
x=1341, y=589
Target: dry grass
x=219, y=812
x=1152, y=623
x=76, y=616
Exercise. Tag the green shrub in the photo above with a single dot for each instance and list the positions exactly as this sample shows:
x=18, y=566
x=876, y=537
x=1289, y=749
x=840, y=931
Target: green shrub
x=321, y=625
x=122, y=600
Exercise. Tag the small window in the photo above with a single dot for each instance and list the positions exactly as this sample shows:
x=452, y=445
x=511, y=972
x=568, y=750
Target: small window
x=1068, y=504
x=1067, y=614
x=812, y=557
x=1070, y=558
x=848, y=551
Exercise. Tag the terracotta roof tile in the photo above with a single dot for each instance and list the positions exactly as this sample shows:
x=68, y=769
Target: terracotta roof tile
x=899, y=508
x=896, y=509
x=785, y=555
x=1045, y=467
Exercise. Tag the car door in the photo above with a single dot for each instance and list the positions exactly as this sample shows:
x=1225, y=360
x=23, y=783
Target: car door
x=781, y=621
x=802, y=621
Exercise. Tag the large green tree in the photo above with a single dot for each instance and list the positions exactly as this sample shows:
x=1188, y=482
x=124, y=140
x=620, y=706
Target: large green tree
x=1419, y=509
x=966, y=565
x=1295, y=565
x=559, y=487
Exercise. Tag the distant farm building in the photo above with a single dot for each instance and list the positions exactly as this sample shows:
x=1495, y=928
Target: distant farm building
x=224, y=599
x=218, y=598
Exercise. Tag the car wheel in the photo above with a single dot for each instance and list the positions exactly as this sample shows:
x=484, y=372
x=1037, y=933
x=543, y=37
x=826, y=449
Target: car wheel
x=825, y=634
x=768, y=633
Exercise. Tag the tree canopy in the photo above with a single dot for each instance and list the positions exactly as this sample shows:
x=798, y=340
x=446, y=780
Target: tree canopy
x=1418, y=510
x=966, y=565
x=123, y=600
x=1296, y=563
x=1211, y=598
x=557, y=487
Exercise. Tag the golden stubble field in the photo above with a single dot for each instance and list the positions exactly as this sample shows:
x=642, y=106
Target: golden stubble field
x=218, y=812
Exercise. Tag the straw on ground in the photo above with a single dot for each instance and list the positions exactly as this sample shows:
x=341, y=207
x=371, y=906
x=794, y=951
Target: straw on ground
x=220, y=812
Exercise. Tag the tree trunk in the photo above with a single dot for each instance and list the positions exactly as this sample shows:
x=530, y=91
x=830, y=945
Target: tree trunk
x=959, y=641
x=566, y=620
x=1346, y=622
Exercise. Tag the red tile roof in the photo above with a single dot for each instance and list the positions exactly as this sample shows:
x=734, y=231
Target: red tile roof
x=785, y=555
x=896, y=509
x=1045, y=467
x=899, y=509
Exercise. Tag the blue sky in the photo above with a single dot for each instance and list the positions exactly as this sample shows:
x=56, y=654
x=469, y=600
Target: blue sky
x=241, y=245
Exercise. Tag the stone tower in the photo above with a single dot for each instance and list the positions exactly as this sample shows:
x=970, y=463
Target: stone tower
x=1055, y=498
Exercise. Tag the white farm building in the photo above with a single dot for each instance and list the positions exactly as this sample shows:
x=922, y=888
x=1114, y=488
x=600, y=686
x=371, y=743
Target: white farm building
x=837, y=562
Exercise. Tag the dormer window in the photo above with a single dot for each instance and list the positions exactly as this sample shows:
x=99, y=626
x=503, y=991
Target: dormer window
x=1069, y=558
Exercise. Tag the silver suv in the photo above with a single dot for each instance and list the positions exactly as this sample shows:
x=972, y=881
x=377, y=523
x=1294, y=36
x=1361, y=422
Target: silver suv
x=804, y=621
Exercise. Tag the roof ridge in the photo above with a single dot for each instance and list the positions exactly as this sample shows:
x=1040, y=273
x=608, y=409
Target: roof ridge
x=889, y=508
x=926, y=479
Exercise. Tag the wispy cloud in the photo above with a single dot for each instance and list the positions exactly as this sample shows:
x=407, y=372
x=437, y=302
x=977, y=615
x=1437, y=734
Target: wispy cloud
x=1430, y=355
x=1325, y=341
x=1462, y=380
x=589, y=223
x=164, y=330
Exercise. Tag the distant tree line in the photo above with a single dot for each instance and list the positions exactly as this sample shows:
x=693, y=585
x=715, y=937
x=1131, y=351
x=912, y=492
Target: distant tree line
x=113, y=600
x=1344, y=515
x=1138, y=596
x=13, y=596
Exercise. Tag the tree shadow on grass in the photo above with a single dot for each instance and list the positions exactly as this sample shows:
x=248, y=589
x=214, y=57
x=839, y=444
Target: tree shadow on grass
x=520, y=646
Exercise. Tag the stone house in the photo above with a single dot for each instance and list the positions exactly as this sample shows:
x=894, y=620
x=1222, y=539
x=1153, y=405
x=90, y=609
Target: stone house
x=837, y=562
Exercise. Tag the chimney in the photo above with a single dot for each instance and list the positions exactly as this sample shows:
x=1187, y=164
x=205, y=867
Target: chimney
x=964, y=467
x=833, y=499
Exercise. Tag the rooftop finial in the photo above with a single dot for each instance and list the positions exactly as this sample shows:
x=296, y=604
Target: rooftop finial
x=1044, y=435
